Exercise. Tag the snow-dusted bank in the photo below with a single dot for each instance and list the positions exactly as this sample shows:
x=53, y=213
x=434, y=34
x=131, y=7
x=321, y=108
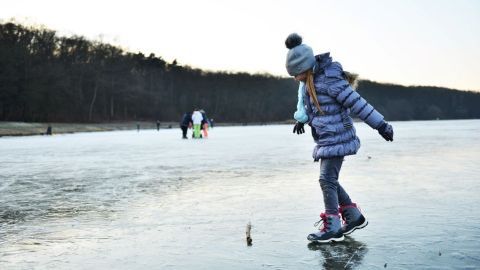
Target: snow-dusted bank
x=29, y=129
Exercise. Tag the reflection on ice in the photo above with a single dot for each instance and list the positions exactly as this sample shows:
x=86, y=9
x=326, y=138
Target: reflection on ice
x=344, y=255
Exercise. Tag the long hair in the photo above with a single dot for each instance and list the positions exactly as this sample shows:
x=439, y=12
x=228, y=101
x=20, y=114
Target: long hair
x=311, y=89
x=352, y=79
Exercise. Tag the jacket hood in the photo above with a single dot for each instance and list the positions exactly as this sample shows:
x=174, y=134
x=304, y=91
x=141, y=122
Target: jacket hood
x=322, y=61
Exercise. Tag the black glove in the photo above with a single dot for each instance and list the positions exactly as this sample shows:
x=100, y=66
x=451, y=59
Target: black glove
x=298, y=128
x=386, y=130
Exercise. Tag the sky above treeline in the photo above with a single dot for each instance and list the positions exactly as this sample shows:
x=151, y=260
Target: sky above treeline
x=408, y=42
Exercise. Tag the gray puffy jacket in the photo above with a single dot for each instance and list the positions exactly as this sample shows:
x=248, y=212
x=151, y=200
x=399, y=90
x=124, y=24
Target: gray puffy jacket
x=333, y=130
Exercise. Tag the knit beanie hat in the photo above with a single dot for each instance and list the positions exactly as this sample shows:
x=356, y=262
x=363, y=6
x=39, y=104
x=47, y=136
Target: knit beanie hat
x=300, y=57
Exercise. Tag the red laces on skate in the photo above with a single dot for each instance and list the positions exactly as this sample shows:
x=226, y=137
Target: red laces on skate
x=323, y=221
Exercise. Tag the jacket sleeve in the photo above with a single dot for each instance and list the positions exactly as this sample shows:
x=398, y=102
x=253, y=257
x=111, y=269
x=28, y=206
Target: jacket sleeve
x=301, y=114
x=340, y=90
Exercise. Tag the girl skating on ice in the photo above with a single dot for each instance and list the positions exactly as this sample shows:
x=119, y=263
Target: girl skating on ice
x=325, y=100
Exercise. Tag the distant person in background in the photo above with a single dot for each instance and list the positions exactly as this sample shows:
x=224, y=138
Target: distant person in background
x=158, y=125
x=138, y=127
x=197, y=122
x=185, y=124
x=49, y=130
x=204, y=123
x=212, y=122
x=325, y=98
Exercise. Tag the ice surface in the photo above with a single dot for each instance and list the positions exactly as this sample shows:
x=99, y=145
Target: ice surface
x=149, y=200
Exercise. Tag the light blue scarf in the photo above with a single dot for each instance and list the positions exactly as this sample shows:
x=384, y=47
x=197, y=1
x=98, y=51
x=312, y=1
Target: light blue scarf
x=301, y=114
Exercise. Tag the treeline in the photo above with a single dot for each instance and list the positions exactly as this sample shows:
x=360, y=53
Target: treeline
x=48, y=78
x=398, y=102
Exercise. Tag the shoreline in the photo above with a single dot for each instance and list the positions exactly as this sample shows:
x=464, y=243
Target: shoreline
x=15, y=129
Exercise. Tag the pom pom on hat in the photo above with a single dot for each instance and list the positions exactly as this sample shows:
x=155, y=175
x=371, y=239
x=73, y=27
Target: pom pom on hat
x=299, y=57
x=293, y=40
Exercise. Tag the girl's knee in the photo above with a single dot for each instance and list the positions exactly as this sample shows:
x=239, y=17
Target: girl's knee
x=326, y=178
x=328, y=184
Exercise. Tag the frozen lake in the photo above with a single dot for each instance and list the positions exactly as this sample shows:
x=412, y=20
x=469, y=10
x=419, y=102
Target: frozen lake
x=149, y=200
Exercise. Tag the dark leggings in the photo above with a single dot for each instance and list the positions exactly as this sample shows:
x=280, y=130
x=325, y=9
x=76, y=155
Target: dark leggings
x=184, y=131
x=333, y=192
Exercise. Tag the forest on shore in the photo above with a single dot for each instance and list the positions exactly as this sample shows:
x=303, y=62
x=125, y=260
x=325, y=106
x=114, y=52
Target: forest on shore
x=45, y=77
